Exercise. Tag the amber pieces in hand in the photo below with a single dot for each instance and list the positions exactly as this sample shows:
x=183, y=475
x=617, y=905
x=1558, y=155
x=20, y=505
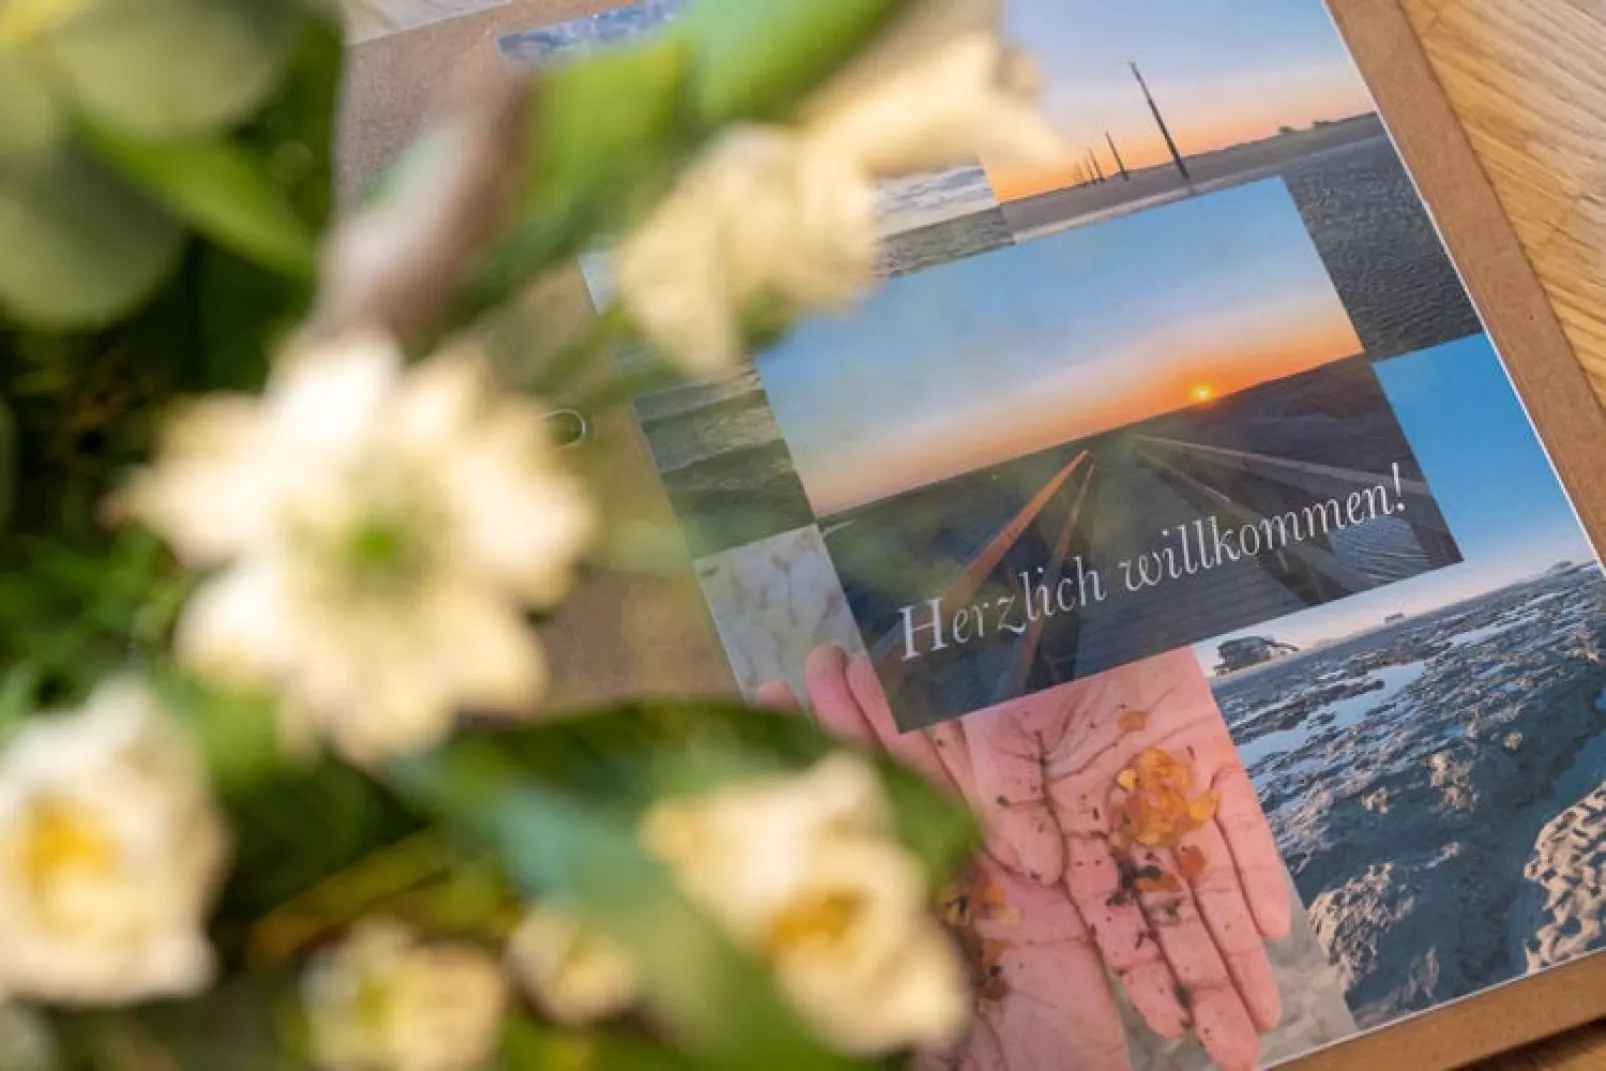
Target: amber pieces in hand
x=1158, y=812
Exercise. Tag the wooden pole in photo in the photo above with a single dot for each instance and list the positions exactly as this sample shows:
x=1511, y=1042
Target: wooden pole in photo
x=1165, y=131
x=1120, y=163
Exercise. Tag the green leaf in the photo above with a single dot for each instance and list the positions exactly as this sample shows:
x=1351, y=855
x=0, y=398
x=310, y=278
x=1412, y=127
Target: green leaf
x=223, y=190
x=236, y=731
x=78, y=248
x=169, y=69
x=294, y=132
x=603, y=125
x=608, y=133
x=529, y=1046
x=19, y=696
x=243, y=315
x=8, y=464
x=631, y=755
x=760, y=60
x=721, y=1002
x=31, y=126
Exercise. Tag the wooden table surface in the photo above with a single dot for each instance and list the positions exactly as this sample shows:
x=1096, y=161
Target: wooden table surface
x=1528, y=78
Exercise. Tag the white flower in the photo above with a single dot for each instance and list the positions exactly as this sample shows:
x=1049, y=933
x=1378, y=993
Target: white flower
x=575, y=975
x=110, y=852
x=383, y=533
x=787, y=214
x=759, y=214
x=805, y=870
x=384, y=1000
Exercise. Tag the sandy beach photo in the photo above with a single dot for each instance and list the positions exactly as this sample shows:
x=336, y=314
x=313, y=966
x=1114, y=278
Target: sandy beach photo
x=1166, y=100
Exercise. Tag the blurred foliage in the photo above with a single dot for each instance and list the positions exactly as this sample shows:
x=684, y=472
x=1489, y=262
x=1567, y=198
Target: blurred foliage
x=161, y=190
x=559, y=803
x=165, y=184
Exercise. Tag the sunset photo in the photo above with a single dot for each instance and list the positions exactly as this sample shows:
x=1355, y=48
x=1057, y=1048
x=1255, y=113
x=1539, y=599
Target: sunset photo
x=1162, y=99
x=991, y=358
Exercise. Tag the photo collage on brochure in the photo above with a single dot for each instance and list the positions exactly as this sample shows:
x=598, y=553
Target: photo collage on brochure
x=1180, y=490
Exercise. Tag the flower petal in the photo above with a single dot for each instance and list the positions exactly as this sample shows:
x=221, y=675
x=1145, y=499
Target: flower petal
x=517, y=518
x=239, y=627
x=762, y=213
x=110, y=852
x=207, y=497
x=969, y=98
x=437, y=403
x=669, y=274
x=324, y=398
x=485, y=655
x=576, y=976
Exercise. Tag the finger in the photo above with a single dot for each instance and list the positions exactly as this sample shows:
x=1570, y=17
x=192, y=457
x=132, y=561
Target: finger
x=1123, y=933
x=978, y=1050
x=1204, y=987
x=825, y=676
x=1254, y=851
x=953, y=752
x=1057, y=1011
x=940, y=746
x=1219, y=892
x=912, y=749
x=1047, y=992
x=775, y=695
x=944, y=1058
x=985, y=1052
x=1007, y=768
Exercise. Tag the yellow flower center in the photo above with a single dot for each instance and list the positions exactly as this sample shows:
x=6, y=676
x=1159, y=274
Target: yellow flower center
x=571, y=1054
x=373, y=1003
x=22, y=21
x=59, y=841
x=822, y=921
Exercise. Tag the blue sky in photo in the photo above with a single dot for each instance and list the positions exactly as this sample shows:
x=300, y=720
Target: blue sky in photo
x=1223, y=72
x=997, y=356
x=1481, y=456
x=1492, y=481
x=594, y=31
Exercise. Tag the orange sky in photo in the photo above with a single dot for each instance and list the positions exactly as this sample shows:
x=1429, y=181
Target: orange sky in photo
x=1022, y=422
x=1223, y=73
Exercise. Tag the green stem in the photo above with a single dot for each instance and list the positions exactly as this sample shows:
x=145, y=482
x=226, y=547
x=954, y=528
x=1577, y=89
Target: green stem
x=621, y=388
x=350, y=893
x=609, y=328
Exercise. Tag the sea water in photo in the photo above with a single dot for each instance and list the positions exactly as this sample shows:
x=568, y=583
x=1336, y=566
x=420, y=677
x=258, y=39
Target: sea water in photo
x=1432, y=755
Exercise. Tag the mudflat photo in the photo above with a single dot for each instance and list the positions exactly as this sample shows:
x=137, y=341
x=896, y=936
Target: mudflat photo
x=1430, y=754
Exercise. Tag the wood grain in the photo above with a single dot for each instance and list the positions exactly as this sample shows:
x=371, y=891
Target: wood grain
x=1526, y=79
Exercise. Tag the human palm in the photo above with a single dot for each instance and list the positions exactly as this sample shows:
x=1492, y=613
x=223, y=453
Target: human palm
x=1180, y=904
x=1122, y=832
x=1042, y=999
